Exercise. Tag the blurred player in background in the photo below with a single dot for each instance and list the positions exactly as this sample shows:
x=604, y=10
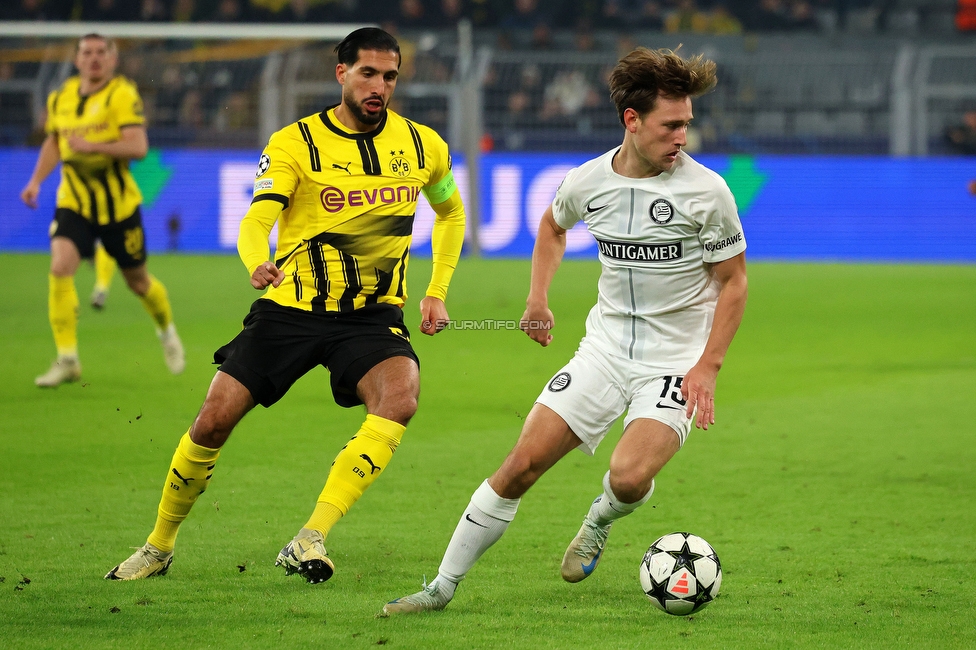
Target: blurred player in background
x=95, y=126
x=671, y=296
x=343, y=187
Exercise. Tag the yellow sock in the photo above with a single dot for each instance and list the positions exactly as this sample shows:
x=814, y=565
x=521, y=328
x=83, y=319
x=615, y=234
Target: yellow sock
x=104, y=268
x=156, y=302
x=62, y=310
x=359, y=463
x=188, y=476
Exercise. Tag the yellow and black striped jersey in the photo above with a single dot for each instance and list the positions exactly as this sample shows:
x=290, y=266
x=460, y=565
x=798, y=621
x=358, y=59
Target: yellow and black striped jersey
x=349, y=203
x=97, y=186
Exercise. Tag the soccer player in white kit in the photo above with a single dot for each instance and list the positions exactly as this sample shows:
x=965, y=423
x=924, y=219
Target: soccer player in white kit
x=671, y=296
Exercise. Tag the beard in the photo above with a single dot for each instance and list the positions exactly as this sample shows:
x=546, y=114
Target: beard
x=360, y=113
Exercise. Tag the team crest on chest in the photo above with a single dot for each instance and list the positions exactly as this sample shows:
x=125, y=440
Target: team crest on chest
x=399, y=166
x=661, y=211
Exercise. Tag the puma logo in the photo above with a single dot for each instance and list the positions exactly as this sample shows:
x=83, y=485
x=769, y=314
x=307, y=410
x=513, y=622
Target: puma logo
x=399, y=332
x=373, y=468
x=345, y=169
x=186, y=481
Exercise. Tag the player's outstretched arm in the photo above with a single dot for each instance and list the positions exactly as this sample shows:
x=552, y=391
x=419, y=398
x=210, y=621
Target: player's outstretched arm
x=550, y=245
x=47, y=160
x=698, y=387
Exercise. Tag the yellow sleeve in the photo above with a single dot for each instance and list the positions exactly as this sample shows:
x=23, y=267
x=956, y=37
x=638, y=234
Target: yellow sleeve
x=278, y=173
x=49, y=123
x=444, y=197
x=446, y=242
x=275, y=182
x=252, y=239
x=127, y=105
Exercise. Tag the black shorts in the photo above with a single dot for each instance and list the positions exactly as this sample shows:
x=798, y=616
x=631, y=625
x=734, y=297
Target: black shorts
x=280, y=344
x=124, y=240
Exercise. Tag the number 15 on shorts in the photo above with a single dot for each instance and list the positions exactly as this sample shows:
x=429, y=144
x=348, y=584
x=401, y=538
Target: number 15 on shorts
x=671, y=395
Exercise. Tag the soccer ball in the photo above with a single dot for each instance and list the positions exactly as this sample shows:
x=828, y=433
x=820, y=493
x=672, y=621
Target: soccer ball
x=681, y=573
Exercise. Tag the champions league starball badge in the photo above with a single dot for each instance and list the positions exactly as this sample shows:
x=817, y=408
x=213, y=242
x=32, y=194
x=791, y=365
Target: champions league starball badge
x=661, y=211
x=263, y=165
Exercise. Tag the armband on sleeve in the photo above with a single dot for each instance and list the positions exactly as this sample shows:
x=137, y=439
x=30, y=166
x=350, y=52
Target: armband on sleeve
x=442, y=190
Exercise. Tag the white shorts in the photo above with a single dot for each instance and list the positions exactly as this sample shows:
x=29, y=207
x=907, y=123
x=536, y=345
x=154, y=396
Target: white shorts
x=594, y=389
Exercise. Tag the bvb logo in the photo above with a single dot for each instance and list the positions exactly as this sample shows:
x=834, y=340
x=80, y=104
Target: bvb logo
x=400, y=167
x=133, y=241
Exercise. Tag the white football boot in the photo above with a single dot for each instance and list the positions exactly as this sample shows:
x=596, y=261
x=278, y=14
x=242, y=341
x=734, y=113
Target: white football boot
x=584, y=552
x=98, y=298
x=146, y=562
x=306, y=556
x=64, y=369
x=431, y=598
x=172, y=349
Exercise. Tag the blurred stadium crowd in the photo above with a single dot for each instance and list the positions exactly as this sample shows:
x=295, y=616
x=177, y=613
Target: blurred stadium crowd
x=697, y=16
x=804, y=76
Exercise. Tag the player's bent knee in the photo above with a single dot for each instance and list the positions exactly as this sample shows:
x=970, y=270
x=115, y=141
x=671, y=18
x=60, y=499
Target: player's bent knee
x=64, y=266
x=139, y=286
x=214, y=425
x=62, y=270
x=399, y=408
x=209, y=433
x=630, y=487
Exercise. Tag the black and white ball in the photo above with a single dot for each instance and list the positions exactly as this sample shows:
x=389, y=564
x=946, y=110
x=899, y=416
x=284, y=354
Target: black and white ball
x=681, y=573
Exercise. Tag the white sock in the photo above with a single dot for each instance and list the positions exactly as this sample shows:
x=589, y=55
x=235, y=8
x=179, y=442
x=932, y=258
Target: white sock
x=484, y=521
x=607, y=507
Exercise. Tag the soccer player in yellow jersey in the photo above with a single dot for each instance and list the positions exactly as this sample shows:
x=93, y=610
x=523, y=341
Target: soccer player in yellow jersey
x=342, y=186
x=94, y=127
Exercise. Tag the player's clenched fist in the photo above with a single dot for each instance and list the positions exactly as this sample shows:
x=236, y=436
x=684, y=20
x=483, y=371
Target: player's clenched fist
x=537, y=321
x=267, y=274
x=433, y=315
x=29, y=194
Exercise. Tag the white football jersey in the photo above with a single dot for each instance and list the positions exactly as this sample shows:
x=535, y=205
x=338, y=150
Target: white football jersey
x=656, y=238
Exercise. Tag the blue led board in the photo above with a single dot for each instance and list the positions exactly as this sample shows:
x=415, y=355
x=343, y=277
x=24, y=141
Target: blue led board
x=792, y=207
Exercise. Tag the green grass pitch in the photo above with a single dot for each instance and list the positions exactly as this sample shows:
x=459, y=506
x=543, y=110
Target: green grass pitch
x=838, y=485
